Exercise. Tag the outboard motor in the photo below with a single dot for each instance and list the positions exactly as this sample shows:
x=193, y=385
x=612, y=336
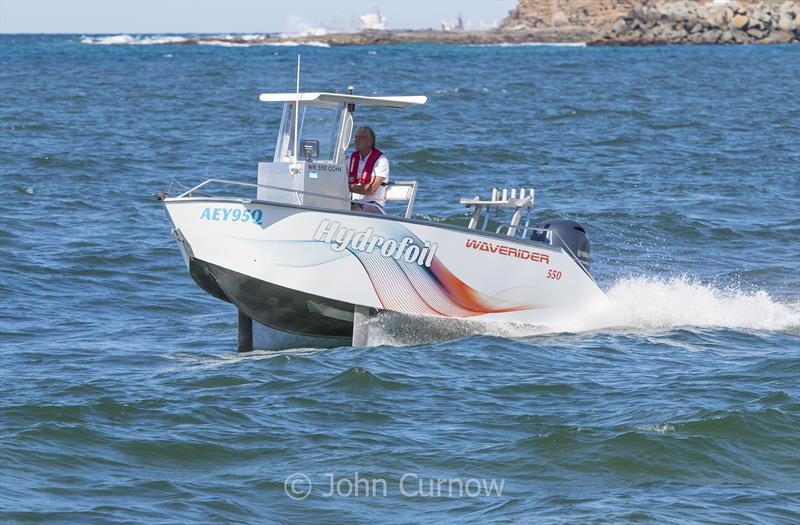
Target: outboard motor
x=566, y=234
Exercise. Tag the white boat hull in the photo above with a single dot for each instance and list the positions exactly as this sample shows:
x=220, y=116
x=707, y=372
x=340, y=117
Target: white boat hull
x=303, y=270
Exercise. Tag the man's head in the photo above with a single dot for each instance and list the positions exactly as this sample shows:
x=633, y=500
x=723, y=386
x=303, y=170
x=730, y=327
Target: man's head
x=365, y=140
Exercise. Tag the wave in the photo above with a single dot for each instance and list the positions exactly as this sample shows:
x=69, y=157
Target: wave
x=133, y=40
x=534, y=44
x=313, y=43
x=679, y=302
x=203, y=361
x=299, y=27
x=219, y=40
x=637, y=304
x=222, y=43
x=358, y=378
x=256, y=39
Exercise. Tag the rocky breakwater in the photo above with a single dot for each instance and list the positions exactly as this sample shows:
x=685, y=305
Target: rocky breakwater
x=705, y=23
x=401, y=36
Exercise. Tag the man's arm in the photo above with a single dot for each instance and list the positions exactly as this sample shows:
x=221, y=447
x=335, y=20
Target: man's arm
x=369, y=188
x=380, y=174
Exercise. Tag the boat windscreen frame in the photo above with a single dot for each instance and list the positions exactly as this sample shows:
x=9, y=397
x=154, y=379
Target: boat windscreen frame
x=340, y=132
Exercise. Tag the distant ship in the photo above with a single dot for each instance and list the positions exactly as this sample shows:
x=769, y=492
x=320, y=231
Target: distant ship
x=453, y=25
x=369, y=21
x=373, y=21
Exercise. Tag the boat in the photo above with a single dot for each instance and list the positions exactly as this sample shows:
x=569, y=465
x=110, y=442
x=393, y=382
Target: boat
x=302, y=269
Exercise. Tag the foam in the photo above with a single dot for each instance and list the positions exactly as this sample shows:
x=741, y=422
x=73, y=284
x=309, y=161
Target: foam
x=222, y=43
x=221, y=40
x=132, y=40
x=196, y=361
x=299, y=27
x=636, y=304
x=651, y=303
x=535, y=44
x=312, y=43
x=249, y=37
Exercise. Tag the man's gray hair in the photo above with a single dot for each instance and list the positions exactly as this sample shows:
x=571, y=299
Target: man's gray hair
x=370, y=131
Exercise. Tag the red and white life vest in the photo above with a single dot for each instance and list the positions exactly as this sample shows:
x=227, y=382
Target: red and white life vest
x=366, y=175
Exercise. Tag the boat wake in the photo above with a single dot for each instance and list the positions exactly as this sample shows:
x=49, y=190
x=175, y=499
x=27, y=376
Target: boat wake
x=659, y=304
x=635, y=304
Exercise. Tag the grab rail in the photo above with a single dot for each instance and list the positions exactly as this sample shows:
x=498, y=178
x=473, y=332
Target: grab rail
x=410, y=195
x=297, y=193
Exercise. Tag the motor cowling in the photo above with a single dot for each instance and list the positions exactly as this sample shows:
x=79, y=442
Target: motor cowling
x=566, y=234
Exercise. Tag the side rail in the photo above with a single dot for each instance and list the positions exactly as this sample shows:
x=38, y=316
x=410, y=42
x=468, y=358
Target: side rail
x=518, y=231
x=404, y=190
x=203, y=185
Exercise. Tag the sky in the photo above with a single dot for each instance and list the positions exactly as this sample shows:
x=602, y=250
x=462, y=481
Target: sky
x=235, y=16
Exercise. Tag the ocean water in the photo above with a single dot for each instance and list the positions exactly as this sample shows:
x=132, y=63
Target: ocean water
x=124, y=399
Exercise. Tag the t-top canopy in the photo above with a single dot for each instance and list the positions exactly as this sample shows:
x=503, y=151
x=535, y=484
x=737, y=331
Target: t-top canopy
x=391, y=102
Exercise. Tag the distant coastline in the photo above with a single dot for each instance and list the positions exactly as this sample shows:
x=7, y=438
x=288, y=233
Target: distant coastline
x=578, y=22
x=403, y=36
x=593, y=22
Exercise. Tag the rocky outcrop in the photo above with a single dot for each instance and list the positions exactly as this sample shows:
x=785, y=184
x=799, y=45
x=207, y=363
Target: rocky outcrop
x=706, y=23
x=591, y=15
x=659, y=21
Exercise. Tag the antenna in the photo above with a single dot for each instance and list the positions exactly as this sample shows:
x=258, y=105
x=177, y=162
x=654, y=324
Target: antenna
x=295, y=168
x=350, y=107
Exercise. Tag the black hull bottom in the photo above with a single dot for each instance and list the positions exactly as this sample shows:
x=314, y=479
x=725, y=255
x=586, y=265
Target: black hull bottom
x=275, y=306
